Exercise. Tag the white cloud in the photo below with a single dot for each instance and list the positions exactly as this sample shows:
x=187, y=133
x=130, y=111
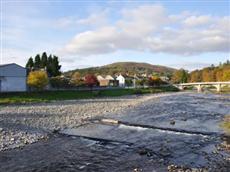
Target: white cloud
x=150, y=28
x=197, y=20
x=95, y=20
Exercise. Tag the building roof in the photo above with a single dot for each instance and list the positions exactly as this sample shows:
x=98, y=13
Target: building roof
x=99, y=77
x=12, y=70
x=3, y=65
x=109, y=77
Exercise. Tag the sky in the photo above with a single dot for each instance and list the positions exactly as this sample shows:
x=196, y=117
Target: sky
x=187, y=34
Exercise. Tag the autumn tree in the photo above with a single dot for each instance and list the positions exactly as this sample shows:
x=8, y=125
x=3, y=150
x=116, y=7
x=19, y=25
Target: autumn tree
x=180, y=76
x=37, y=79
x=195, y=76
x=226, y=75
x=154, y=81
x=76, y=79
x=90, y=80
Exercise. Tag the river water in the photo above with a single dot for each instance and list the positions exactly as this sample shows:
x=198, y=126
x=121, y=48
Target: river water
x=181, y=129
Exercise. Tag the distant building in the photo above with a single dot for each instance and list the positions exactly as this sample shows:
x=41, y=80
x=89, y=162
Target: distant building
x=105, y=81
x=12, y=78
x=164, y=78
x=102, y=81
x=121, y=81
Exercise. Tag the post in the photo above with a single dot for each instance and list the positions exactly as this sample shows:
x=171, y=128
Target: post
x=181, y=87
x=218, y=88
x=199, y=88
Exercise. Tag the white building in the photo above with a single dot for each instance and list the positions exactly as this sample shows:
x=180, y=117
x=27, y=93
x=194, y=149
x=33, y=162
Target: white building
x=121, y=81
x=12, y=78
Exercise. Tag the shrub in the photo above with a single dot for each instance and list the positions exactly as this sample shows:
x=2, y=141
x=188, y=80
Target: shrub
x=37, y=80
x=60, y=82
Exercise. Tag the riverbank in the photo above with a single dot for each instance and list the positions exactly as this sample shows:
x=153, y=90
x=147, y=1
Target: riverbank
x=27, y=123
x=47, y=96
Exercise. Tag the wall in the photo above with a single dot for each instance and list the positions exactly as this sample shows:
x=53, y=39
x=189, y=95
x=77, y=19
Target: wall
x=9, y=84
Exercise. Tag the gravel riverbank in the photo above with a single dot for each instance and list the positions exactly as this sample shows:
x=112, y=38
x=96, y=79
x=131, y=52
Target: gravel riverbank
x=28, y=123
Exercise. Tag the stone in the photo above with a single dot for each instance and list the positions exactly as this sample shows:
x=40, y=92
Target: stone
x=172, y=122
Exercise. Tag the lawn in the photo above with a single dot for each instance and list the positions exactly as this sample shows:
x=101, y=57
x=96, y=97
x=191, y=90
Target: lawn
x=46, y=96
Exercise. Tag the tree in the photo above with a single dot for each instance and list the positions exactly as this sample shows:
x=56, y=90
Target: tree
x=128, y=82
x=154, y=81
x=60, y=82
x=180, y=76
x=195, y=76
x=30, y=63
x=226, y=75
x=44, y=60
x=76, y=79
x=37, y=62
x=49, y=65
x=90, y=80
x=219, y=75
x=55, y=66
x=37, y=79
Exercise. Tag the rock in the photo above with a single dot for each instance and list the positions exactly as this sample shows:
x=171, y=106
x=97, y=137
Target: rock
x=172, y=122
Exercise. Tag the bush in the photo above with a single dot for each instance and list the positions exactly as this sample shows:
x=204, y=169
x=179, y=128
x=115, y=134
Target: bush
x=138, y=91
x=38, y=80
x=60, y=82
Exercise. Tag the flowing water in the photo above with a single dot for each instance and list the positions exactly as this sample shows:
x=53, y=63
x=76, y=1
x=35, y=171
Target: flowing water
x=181, y=129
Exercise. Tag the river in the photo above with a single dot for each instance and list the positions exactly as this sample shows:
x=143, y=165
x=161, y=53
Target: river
x=181, y=131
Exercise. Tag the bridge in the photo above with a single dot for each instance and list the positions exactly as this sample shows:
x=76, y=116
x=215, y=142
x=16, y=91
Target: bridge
x=200, y=85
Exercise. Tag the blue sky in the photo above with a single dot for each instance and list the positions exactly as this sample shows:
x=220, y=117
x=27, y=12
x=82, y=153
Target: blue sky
x=182, y=34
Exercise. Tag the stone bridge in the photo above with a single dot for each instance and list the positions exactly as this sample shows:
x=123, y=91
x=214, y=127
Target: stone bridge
x=200, y=85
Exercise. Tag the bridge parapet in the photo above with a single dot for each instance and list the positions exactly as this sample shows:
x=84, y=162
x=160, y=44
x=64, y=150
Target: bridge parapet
x=199, y=85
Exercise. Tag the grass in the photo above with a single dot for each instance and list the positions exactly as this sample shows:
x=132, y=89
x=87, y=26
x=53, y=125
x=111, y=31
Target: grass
x=46, y=96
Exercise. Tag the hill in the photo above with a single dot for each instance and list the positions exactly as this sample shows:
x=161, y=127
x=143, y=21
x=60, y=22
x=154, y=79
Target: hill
x=130, y=68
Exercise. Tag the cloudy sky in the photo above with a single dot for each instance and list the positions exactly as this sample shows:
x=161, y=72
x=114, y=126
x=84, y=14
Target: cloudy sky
x=182, y=34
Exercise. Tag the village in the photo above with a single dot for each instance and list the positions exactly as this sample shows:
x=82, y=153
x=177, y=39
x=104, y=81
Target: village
x=13, y=78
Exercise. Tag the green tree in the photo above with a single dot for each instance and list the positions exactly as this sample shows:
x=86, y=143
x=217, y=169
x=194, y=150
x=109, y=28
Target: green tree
x=44, y=60
x=49, y=65
x=128, y=82
x=55, y=66
x=37, y=79
x=30, y=63
x=37, y=62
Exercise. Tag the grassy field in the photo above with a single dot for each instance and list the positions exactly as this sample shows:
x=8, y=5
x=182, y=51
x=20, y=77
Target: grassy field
x=46, y=96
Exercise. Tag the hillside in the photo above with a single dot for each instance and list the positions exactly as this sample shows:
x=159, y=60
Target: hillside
x=125, y=67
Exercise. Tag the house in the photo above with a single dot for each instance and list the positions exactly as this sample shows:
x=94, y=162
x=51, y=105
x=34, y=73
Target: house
x=112, y=81
x=105, y=81
x=121, y=81
x=102, y=81
x=12, y=78
x=164, y=78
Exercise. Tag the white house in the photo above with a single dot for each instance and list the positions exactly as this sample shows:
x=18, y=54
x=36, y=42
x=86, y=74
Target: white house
x=121, y=81
x=12, y=78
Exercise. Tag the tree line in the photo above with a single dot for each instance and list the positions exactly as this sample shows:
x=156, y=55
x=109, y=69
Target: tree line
x=208, y=74
x=48, y=63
